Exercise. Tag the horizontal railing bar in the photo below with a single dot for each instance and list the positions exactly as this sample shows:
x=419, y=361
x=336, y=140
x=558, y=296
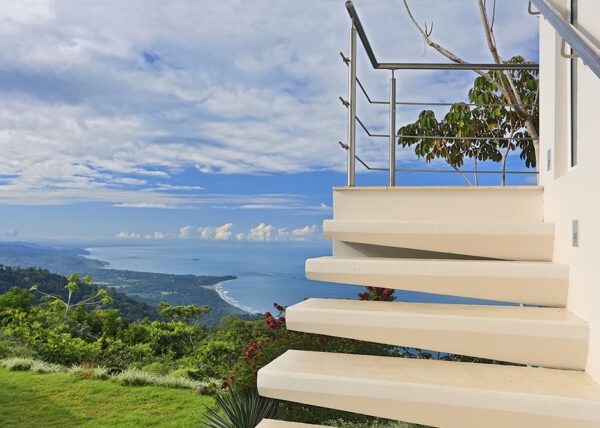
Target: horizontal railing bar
x=345, y=147
x=423, y=66
x=416, y=103
x=457, y=66
x=433, y=137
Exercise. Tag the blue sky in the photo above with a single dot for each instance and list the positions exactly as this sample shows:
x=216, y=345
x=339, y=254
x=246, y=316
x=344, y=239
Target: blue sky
x=148, y=120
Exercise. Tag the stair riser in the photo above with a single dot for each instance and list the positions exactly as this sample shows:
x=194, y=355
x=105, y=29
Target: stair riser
x=504, y=247
x=543, y=292
x=549, y=345
x=428, y=406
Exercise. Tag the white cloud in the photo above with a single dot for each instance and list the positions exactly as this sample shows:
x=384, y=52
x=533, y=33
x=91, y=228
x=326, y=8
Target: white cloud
x=101, y=99
x=223, y=233
x=262, y=232
x=206, y=232
x=185, y=232
x=156, y=236
x=220, y=233
x=305, y=233
x=128, y=235
x=10, y=233
x=144, y=205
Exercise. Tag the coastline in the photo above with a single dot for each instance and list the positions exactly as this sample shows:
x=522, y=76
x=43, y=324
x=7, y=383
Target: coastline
x=225, y=296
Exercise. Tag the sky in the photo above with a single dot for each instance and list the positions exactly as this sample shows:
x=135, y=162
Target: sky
x=209, y=119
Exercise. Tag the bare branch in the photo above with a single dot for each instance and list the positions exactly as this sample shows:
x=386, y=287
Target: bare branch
x=442, y=50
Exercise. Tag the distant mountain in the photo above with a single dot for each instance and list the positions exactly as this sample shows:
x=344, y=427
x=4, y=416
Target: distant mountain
x=135, y=287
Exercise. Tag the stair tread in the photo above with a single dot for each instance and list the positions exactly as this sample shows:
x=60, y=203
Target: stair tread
x=554, y=316
x=417, y=227
x=457, y=266
x=548, y=337
x=464, y=394
x=531, y=282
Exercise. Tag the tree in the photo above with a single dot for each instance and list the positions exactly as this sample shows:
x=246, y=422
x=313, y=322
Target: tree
x=182, y=313
x=74, y=283
x=518, y=120
x=16, y=298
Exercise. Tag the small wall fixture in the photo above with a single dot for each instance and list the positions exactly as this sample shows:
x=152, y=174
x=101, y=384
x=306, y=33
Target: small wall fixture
x=576, y=233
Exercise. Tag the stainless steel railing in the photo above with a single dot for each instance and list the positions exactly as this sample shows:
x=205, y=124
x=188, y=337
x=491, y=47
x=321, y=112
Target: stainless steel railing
x=582, y=47
x=357, y=30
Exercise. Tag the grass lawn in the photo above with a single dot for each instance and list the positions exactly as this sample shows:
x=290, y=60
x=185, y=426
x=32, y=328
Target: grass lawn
x=61, y=400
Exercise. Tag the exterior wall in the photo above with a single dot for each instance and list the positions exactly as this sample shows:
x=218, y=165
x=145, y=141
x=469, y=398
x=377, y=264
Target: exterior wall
x=573, y=193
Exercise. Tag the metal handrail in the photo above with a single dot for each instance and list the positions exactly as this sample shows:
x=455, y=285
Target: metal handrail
x=585, y=49
x=423, y=66
x=418, y=103
x=357, y=29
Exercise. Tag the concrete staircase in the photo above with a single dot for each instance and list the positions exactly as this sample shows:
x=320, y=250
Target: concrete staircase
x=445, y=241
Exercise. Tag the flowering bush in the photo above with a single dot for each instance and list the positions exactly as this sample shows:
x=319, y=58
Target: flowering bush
x=378, y=294
x=270, y=339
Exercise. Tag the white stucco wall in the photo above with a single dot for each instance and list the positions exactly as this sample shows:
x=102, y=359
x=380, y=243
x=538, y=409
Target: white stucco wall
x=573, y=193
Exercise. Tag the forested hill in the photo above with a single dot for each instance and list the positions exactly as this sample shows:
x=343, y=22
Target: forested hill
x=135, y=287
x=55, y=284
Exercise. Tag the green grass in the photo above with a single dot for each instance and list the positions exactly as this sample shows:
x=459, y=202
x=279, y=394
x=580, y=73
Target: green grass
x=61, y=400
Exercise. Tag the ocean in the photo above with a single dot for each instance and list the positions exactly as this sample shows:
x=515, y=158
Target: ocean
x=266, y=272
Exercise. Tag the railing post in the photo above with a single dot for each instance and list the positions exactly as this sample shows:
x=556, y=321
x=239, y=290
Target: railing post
x=352, y=108
x=392, y=130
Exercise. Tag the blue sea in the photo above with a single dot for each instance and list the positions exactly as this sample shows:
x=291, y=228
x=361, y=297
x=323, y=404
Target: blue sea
x=266, y=272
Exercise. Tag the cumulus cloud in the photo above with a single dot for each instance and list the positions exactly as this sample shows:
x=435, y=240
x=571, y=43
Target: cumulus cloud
x=185, y=232
x=305, y=233
x=220, y=233
x=156, y=236
x=128, y=235
x=223, y=233
x=262, y=232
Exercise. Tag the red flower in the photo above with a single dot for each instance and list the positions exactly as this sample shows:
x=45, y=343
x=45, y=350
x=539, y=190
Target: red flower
x=388, y=292
x=281, y=320
x=322, y=341
x=268, y=315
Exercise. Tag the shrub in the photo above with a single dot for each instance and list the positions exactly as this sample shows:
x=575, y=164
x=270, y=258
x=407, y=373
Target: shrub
x=43, y=367
x=178, y=382
x=18, y=363
x=10, y=347
x=135, y=377
x=156, y=369
x=100, y=373
x=240, y=410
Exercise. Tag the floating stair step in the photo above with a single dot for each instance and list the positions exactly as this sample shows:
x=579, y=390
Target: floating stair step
x=548, y=337
x=437, y=393
x=509, y=241
x=468, y=204
x=536, y=283
x=271, y=423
